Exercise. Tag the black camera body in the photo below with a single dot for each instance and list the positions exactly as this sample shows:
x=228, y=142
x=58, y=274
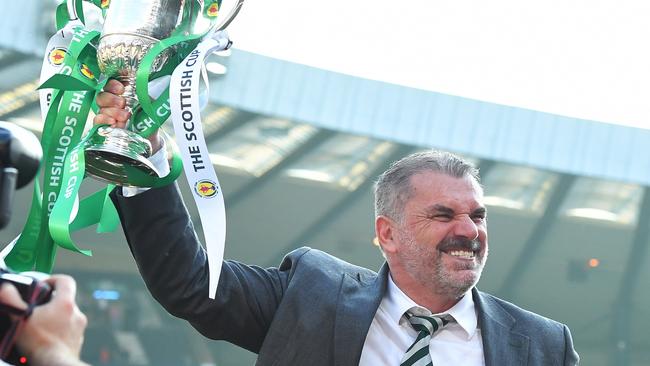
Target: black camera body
x=20, y=155
x=31, y=289
x=34, y=292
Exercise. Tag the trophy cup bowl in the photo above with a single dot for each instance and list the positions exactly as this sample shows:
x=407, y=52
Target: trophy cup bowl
x=131, y=28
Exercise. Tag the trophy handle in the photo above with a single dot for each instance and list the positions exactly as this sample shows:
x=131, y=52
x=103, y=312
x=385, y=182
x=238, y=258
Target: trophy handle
x=229, y=18
x=72, y=9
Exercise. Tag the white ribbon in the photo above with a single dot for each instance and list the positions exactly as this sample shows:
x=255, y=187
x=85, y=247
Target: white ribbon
x=56, y=49
x=186, y=117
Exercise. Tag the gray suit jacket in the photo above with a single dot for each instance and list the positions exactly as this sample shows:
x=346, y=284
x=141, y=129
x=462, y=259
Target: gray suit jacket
x=314, y=309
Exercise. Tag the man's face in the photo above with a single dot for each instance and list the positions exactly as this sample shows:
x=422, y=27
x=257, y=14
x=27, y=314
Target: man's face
x=442, y=241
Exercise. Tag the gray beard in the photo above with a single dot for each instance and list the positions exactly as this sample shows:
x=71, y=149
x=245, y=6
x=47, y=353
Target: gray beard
x=439, y=280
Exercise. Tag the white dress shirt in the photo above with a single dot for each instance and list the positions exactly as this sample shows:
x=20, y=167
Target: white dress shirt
x=159, y=161
x=390, y=333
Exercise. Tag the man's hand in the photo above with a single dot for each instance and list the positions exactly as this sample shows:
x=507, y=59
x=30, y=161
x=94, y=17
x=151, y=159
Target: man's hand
x=112, y=110
x=54, y=333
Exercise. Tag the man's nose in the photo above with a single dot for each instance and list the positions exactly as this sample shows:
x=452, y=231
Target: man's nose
x=466, y=227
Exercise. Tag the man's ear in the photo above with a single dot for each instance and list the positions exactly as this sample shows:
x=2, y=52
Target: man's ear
x=385, y=230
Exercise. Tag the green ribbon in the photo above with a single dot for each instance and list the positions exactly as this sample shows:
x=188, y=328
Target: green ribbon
x=154, y=113
x=74, y=91
x=74, y=106
x=74, y=88
x=106, y=218
x=73, y=175
x=62, y=17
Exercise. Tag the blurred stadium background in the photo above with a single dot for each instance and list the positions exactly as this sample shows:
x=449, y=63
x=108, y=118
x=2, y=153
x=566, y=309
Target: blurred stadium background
x=297, y=149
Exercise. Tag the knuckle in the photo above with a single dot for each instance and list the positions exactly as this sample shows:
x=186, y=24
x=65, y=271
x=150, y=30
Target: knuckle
x=67, y=307
x=64, y=277
x=82, y=319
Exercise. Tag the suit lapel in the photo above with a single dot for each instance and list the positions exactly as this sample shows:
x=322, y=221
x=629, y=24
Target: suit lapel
x=501, y=345
x=360, y=297
x=357, y=303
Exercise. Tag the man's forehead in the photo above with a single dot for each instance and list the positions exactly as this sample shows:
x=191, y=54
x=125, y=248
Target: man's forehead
x=439, y=180
x=444, y=189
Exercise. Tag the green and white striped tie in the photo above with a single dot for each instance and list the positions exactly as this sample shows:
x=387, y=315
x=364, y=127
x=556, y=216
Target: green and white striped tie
x=427, y=326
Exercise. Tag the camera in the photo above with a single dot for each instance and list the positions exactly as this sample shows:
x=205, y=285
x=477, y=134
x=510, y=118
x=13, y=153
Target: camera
x=34, y=292
x=20, y=155
x=31, y=289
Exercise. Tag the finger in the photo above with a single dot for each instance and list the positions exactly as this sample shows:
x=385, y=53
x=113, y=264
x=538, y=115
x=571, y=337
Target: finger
x=109, y=100
x=119, y=115
x=9, y=295
x=64, y=286
x=115, y=87
x=104, y=119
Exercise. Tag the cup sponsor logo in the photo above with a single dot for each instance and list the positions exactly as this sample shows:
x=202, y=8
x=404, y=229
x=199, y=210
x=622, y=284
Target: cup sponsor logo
x=85, y=71
x=206, y=188
x=213, y=10
x=56, y=56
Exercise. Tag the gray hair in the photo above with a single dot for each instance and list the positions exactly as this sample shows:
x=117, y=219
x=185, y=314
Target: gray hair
x=393, y=187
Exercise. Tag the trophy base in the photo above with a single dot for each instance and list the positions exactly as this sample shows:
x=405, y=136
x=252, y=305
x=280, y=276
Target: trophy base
x=117, y=156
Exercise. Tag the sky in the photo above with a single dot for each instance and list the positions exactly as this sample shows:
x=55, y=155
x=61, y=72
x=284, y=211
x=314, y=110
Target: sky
x=578, y=58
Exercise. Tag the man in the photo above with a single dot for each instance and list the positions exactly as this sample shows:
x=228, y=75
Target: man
x=53, y=334
x=318, y=310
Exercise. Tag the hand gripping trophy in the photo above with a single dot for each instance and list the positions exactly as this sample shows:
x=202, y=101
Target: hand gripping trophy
x=140, y=40
x=131, y=29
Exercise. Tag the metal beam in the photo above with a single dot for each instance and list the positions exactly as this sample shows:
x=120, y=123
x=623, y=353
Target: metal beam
x=623, y=307
x=15, y=112
x=11, y=57
x=323, y=223
x=484, y=167
x=256, y=183
x=537, y=236
x=18, y=98
x=240, y=119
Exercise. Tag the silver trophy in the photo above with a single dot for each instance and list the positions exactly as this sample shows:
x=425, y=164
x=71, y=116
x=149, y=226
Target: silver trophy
x=131, y=28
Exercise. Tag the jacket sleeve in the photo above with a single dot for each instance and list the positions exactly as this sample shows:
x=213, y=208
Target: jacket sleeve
x=571, y=357
x=174, y=267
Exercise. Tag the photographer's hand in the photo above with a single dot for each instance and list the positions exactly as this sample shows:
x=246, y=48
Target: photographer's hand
x=53, y=334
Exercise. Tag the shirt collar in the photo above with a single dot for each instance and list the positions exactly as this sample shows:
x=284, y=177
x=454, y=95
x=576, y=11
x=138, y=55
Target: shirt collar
x=397, y=303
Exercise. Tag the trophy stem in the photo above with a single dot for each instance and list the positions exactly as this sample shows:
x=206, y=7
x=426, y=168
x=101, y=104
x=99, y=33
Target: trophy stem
x=129, y=95
x=131, y=28
x=115, y=153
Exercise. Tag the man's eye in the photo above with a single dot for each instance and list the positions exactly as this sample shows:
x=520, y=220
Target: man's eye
x=442, y=217
x=478, y=218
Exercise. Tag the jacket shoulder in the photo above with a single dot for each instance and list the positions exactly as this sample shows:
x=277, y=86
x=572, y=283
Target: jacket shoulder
x=549, y=342
x=308, y=260
x=525, y=319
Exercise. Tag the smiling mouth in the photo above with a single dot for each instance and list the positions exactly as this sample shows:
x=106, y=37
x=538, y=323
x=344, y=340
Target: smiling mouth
x=463, y=254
